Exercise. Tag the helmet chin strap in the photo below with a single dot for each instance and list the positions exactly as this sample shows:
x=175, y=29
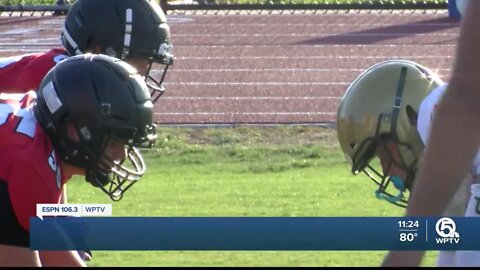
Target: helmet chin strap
x=398, y=184
x=397, y=102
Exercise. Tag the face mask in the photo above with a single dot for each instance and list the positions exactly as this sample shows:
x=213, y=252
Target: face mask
x=398, y=184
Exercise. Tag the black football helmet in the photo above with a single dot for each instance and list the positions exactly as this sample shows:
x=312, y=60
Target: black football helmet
x=123, y=29
x=104, y=99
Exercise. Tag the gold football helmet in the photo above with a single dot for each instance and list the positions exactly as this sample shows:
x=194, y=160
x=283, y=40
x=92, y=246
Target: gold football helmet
x=379, y=106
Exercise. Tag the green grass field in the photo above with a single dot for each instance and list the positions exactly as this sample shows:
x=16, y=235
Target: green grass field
x=244, y=171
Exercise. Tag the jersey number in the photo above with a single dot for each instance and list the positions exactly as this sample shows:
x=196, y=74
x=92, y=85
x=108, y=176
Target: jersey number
x=26, y=125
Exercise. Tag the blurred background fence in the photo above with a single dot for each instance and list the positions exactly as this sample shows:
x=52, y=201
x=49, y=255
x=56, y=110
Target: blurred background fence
x=47, y=7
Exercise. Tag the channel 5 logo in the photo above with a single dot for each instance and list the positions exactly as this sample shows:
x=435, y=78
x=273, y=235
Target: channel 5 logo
x=446, y=229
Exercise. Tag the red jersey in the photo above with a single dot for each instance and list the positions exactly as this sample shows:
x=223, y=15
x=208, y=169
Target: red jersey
x=19, y=74
x=28, y=163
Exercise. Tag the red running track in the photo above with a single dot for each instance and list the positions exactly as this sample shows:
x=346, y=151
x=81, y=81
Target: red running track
x=268, y=69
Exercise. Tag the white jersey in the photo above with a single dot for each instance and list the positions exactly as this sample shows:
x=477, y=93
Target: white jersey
x=425, y=116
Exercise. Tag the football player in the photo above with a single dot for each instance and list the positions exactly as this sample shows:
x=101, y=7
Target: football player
x=453, y=140
x=135, y=31
x=427, y=111
x=383, y=122
x=89, y=116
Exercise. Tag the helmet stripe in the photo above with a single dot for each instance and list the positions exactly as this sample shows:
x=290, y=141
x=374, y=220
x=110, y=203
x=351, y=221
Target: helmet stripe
x=51, y=98
x=128, y=32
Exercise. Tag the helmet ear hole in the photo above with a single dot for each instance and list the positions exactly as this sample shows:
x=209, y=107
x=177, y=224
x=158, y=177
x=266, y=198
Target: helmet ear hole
x=385, y=137
x=72, y=133
x=352, y=145
x=412, y=115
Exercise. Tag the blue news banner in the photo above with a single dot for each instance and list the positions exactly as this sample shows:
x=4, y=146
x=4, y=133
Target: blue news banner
x=254, y=233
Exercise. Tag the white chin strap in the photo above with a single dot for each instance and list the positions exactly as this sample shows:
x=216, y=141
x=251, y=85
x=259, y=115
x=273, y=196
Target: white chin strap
x=70, y=40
